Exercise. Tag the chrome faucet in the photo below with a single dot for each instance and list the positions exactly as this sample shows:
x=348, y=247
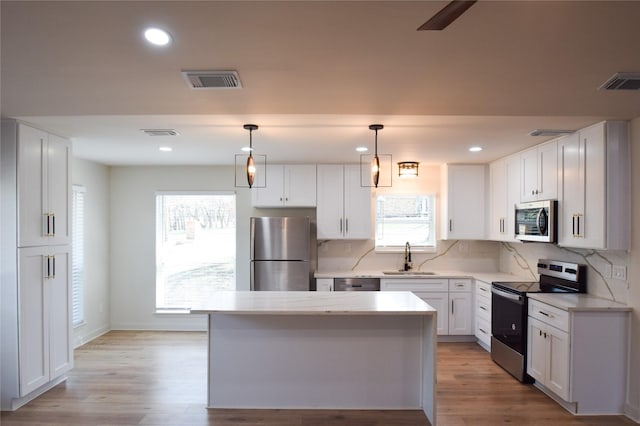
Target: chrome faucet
x=407, y=256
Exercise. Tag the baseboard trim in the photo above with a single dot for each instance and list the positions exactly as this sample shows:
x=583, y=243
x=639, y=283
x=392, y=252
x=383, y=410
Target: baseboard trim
x=632, y=412
x=19, y=402
x=86, y=338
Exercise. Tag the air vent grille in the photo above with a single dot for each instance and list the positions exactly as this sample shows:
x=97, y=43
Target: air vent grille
x=160, y=132
x=623, y=81
x=212, y=79
x=550, y=132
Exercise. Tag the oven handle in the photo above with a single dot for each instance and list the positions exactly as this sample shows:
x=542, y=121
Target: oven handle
x=506, y=295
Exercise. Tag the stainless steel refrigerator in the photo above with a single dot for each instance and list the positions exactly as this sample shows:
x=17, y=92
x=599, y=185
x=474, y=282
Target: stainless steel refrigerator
x=282, y=253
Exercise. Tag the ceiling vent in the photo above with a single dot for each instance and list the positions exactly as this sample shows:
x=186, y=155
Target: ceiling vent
x=160, y=132
x=212, y=79
x=550, y=132
x=622, y=81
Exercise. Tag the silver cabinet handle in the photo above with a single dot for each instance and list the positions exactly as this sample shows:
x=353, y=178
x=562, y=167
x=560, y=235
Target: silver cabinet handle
x=483, y=330
x=346, y=225
x=341, y=225
x=452, y=309
x=450, y=225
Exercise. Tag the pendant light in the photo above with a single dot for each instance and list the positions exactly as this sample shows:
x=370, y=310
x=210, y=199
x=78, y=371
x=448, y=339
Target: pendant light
x=250, y=166
x=372, y=171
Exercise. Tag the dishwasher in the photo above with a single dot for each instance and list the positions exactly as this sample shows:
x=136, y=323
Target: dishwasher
x=356, y=284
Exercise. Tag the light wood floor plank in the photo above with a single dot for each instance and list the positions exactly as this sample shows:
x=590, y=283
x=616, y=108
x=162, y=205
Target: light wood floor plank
x=128, y=378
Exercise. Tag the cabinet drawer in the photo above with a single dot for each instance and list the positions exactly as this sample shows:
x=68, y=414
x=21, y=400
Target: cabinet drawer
x=549, y=314
x=483, y=289
x=463, y=284
x=411, y=284
x=483, y=308
x=483, y=331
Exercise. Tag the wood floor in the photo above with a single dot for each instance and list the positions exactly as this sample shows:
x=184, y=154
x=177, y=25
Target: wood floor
x=159, y=378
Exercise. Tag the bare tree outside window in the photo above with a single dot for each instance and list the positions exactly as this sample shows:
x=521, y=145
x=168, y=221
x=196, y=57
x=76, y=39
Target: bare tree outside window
x=195, y=247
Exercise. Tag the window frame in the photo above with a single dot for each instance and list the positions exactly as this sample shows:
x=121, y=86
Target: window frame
x=414, y=247
x=77, y=255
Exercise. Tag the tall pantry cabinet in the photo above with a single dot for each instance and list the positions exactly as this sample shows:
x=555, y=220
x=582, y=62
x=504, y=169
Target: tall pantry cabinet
x=36, y=261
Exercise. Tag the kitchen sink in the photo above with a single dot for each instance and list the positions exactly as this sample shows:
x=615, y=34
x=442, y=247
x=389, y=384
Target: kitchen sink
x=407, y=273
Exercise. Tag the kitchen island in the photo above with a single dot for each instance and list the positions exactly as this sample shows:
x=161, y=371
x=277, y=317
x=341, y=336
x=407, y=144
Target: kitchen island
x=342, y=350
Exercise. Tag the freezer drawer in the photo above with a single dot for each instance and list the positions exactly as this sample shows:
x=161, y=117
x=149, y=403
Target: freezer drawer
x=273, y=275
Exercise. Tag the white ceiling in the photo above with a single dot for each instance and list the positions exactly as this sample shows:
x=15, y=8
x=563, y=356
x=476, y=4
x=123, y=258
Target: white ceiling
x=315, y=74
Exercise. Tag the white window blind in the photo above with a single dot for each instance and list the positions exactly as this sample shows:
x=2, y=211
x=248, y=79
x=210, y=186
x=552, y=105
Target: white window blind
x=77, y=257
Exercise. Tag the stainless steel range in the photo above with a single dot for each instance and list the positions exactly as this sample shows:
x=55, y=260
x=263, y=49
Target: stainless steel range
x=509, y=311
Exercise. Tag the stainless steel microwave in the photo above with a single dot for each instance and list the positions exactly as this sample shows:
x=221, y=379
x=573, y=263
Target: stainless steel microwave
x=536, y=221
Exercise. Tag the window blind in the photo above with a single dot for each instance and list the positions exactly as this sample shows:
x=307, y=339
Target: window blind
x=77, y=257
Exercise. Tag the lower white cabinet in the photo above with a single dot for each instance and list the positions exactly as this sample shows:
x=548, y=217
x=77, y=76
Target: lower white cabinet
x=483, y=314
x=45, y=349
x=324, y=284
x=578, y=356
x=452, y=298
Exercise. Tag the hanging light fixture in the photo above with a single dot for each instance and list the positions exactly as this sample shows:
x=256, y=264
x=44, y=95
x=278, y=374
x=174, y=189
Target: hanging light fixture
x=251, y=164
x=373, y=171
x=408, y=169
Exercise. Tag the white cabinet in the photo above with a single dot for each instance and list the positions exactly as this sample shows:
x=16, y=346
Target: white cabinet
x=463, y=202
x=288, y=185
x=579, y=356
x=35, y=262
x=504, y=194
x=324, y=284
x=450, y=297
x=483, y=314
x=344, y=207
x=44, y=176
x=594, y=195
x=45, y=351
x=539, y=172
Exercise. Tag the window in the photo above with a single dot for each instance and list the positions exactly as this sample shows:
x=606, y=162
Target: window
x=77, y=255
x=195, y=247
x=402, y=218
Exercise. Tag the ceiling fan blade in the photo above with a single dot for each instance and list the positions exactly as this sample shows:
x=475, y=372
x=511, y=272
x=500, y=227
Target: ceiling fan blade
x=447, y=15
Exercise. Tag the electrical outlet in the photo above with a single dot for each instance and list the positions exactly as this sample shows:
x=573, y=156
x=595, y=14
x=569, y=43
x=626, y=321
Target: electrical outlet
x=619, y=272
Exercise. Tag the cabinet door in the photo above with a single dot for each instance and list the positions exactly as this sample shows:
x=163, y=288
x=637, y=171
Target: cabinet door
x=330, y=194
x=357, y=205
x=592, y=225
x=59, y=301
x=300, y=185
x=571, y=193
x=498, y=199
x=59, y=189
x=272, y=194
x=464, y=216
x=557, y=368
x=536, y=350
x=32, y=157
x=529, y=175
x=439, y=301
x=548, y=171
x=460, y=313
x=512, y=166
x=33, y=328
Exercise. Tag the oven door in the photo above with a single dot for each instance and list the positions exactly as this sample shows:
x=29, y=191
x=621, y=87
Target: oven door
x=509, y=319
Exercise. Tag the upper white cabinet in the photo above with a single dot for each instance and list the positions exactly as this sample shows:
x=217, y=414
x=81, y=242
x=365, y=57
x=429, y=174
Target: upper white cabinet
x=463, y=202
x=594, y=195
x=288, y=185
x=539, y=172
x=504, y=194
x=344, y=207
x=45, y=181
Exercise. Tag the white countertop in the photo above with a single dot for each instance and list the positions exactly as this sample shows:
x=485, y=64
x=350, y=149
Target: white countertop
x=482, y=276
x=578, y=302
x=314, y=303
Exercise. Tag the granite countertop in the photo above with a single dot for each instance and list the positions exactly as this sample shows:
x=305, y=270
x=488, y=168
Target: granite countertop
x=314, y=303
x=578, y=302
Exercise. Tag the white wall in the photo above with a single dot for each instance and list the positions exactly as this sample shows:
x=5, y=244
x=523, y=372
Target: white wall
x=95, y=178
x=132, y=270
x=633, y=396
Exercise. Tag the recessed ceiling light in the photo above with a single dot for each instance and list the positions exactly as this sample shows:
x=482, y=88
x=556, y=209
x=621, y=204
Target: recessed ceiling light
x=362, y=149
x=475, y=149
x=157, y=36
x=165, y=149
x=246, y=149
